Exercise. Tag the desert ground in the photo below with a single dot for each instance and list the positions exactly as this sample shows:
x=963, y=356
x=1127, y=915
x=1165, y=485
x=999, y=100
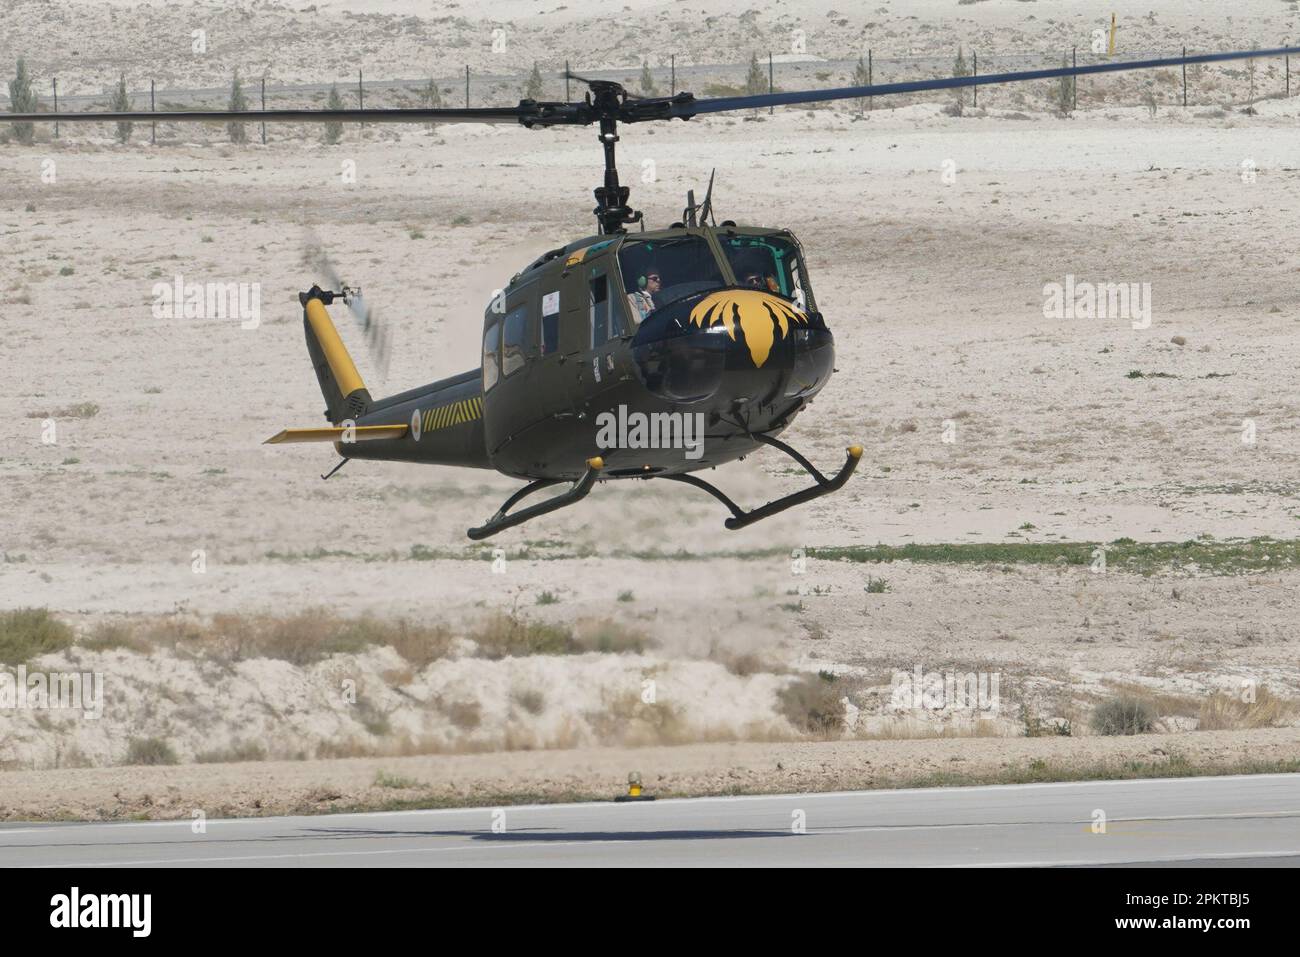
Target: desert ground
x=270, y=641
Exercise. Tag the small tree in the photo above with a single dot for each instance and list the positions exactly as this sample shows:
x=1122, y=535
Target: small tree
x=1252, y=71
x=333, y=130
x=431, y=98
x=1065, y=92
x=121, y=103
x=647, y=81
x=861, y=77
x=22, y=99
x=755, y=82
x=238, y=104
x=959, y=68
x=533, y=88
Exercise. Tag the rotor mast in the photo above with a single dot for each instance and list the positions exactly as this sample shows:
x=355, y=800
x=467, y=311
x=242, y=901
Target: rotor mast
x=612, y=211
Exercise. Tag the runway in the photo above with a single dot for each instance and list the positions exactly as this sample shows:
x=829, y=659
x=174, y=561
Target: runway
x=1243, y=820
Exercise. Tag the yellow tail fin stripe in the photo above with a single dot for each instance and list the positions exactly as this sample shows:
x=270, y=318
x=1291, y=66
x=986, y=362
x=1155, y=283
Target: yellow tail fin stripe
x=361, y=433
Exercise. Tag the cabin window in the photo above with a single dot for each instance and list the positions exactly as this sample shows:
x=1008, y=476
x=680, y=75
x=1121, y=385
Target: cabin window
x=599, y=299
x=769, y=263
x=550, y=324
x=491, y=370
x=658, y=272
x=512, y=351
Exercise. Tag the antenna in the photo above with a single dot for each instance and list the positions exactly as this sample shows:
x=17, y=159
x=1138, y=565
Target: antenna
x=706, y=211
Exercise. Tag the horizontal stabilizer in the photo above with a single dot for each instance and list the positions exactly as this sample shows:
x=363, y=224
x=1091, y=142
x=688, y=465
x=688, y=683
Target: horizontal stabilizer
x=359, y=433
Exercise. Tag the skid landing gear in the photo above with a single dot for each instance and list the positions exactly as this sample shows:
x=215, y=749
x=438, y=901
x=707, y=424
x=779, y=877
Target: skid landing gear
x=576, y=493
x=740, y=518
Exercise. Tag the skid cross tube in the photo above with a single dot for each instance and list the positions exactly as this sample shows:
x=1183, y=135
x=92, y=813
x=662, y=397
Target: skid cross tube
x=740, y=518
x=578, y=491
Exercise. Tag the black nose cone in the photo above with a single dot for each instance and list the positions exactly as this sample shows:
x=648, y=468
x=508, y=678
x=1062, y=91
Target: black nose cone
x=731, y=343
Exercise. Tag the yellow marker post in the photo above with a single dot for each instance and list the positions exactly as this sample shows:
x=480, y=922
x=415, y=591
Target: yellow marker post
x=1110, y=47
x=634, y=790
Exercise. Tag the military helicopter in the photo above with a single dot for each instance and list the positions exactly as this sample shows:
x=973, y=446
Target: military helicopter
x=623, y=355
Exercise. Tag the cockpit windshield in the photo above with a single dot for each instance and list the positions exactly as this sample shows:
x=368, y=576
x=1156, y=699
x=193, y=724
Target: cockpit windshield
x=657, y=272
x=768, y=263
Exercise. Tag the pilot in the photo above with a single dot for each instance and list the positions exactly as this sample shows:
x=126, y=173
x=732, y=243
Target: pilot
x=649, y=285
x=752, y=273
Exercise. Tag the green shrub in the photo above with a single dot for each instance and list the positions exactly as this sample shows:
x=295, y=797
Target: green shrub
x=1123, y=715
x=150, y=751
x=28, y=632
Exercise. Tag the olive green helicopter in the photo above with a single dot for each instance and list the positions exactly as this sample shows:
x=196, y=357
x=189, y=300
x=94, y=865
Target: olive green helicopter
x=648, y=354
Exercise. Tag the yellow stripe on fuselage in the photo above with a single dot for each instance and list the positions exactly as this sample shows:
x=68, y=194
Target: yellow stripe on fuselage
x=455, y=413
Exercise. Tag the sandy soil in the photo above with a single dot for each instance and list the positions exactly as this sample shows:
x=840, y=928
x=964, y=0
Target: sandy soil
x=934, y=290
x=277, y=787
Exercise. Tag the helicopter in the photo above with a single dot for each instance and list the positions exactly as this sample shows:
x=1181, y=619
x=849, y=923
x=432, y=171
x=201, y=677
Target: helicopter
x=647, y=354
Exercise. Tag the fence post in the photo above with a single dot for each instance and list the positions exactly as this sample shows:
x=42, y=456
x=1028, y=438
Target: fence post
x=974, y=72
x=467, y=86
x=1288, y=74
x=153, y=127
x=56, y=106
x=1184, y=76
x=771, y=81
x=871, y=100
x=1074, y=80
x=263, y=109
x=361, y=96
x=566, y=81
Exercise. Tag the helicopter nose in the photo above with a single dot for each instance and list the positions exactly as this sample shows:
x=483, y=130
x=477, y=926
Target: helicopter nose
x=733, y=343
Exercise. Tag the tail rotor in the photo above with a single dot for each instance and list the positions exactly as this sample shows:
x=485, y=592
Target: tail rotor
x=375, y=333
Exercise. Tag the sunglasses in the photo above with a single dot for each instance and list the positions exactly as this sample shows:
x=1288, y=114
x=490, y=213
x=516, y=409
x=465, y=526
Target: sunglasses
x=653, y=276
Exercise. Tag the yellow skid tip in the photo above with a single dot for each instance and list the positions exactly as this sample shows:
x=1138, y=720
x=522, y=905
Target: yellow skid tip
x=855, y=451
x=596, y=463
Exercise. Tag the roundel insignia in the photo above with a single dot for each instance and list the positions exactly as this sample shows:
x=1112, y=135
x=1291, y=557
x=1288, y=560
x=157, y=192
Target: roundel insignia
x=416, y=422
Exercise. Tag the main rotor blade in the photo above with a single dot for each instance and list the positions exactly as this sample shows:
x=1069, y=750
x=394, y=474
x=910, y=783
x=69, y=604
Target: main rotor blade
x=498, y=114
x=722, y=104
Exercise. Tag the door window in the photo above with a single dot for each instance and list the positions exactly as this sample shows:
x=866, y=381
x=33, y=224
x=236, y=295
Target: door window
x=512, y=351
x=491, y=369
